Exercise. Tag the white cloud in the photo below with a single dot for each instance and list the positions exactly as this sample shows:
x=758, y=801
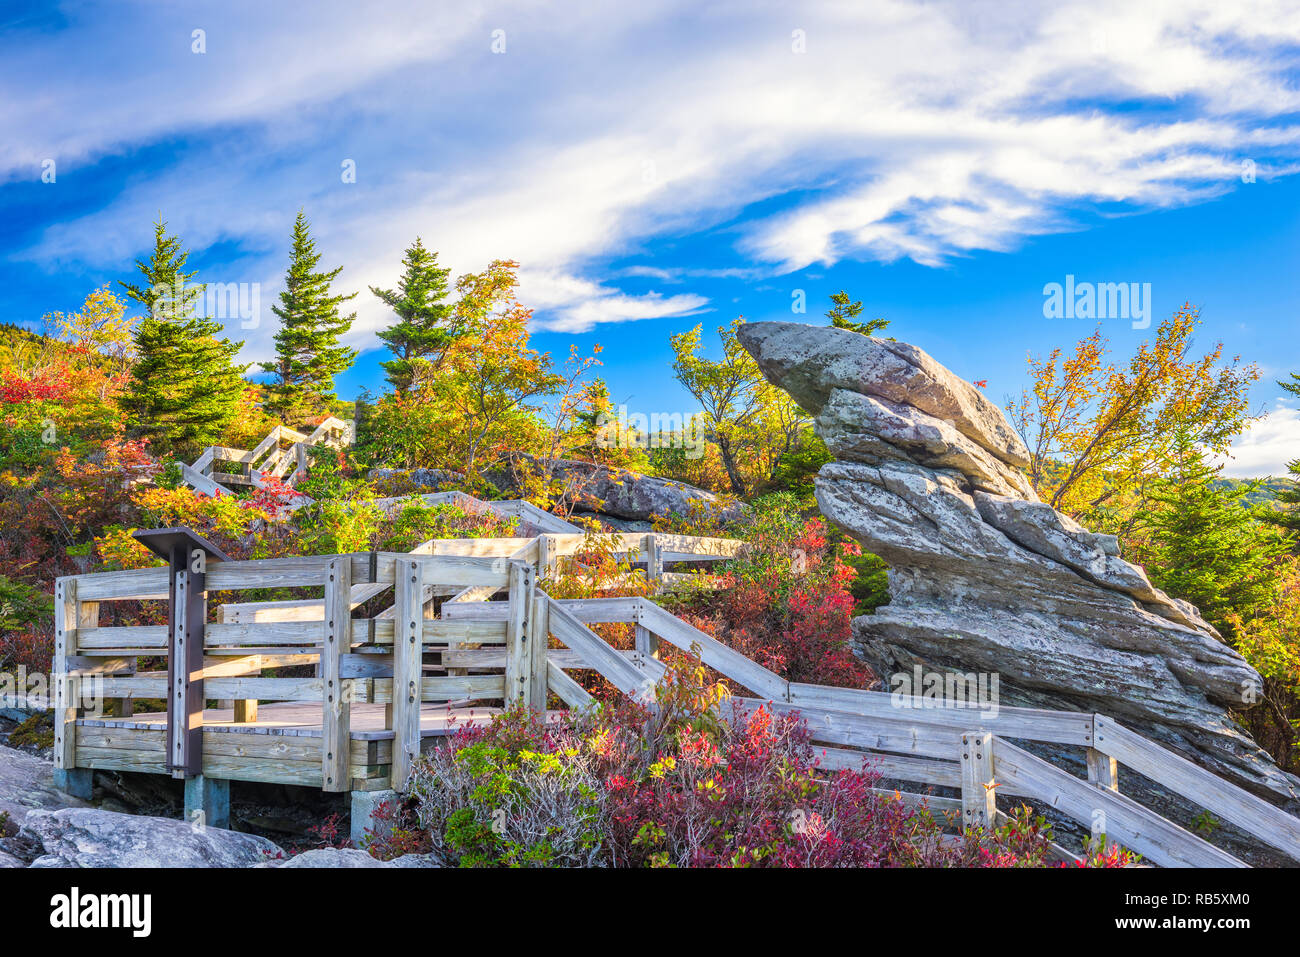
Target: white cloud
x=919, y=130
x=1267, y=447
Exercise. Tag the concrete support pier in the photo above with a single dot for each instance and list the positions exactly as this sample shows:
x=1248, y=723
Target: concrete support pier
x=207, y=801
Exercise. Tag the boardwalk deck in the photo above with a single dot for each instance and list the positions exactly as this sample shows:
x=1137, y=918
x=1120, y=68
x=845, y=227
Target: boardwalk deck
x=393, y=685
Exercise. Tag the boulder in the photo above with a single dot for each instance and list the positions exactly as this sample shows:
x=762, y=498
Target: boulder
x=352, y=857
x=625, y=495
x=87, y=837
x=985, y=577
x=435, y=479
x=27, y=785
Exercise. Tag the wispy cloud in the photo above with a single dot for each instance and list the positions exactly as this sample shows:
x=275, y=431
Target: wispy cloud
x=903, y=130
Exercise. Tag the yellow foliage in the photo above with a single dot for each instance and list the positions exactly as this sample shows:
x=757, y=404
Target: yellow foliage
x=1097, y=430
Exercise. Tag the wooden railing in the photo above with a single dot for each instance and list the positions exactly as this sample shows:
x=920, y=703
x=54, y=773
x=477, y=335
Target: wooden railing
x=268, y=459
x=501, y=651
x=910, y=740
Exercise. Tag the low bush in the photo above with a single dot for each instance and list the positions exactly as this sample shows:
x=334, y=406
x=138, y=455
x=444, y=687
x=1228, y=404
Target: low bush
x=786, y=599
x=691, y=781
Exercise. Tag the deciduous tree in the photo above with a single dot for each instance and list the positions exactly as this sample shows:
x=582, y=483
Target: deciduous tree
x=1096, y=430
x=750, y=420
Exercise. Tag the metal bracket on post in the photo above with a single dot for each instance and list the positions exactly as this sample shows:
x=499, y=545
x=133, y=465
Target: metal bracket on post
x=187, y=554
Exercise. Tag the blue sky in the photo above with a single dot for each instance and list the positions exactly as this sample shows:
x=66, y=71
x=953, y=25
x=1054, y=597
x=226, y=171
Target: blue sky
x=664, y=165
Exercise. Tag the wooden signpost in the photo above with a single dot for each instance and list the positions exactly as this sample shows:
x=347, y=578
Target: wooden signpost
x=187, y=554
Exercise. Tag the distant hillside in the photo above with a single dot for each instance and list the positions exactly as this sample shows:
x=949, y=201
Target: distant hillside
x=22, y=347
x=1266, y=492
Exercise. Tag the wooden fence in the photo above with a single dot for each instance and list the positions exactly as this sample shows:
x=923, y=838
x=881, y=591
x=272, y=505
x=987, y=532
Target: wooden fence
x=523, y=648
x=268, y=459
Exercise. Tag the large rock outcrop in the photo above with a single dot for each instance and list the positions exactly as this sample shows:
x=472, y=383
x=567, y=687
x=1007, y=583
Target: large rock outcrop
x=88, y=837
x=985, y=577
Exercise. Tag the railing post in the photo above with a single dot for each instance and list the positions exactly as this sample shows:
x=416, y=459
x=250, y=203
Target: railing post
x=539, y=634
x=547, y=557
x=647, y=642
x=654, y=565
x=1103, y=770
x=65, y=686
x=978, y=798
x=336, y=734
x=518, y=625
x=408, y=639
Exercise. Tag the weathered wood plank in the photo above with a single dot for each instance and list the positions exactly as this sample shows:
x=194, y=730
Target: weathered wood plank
x=405, y=685
x=299, y=572
x=568, y=690
x=539, y=634
x=714, y=653
x=518, y=654
x=336, y=707
x=446, y=688
x=900, y=767
x=141, y=584
x=265, y=689
x=1253, y=815
x=586, y=610
x=1126, y=822
x=65, y=686
x=978, y=795
x=1032, y=724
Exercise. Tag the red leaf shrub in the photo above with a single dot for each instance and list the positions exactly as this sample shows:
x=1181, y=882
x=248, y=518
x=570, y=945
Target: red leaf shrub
x=681, y=787
x=785, y=600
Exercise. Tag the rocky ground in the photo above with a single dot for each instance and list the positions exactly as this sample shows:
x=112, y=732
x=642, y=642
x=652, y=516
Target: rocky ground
x=135, y=821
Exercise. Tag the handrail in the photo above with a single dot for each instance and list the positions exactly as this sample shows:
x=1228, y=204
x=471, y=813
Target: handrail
x=910, y=738
x=201, y=476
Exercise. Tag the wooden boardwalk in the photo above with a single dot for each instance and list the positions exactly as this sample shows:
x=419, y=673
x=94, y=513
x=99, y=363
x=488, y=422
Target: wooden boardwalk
x=386, y=687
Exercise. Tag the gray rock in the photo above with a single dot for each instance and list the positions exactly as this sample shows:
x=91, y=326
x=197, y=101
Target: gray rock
x=810, y=362
x=983, y=576
x=8, y=861
x=352, y=857
x=627, y=495
x=27, y=784
x=87, y=837
x=436, y=479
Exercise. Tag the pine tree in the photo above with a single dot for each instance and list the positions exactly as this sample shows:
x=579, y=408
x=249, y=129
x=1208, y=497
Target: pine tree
x=424, y=327
x=308, y=354
x=1205, y=545
x=184, y=387
x=1288, y=516
x=844, y=314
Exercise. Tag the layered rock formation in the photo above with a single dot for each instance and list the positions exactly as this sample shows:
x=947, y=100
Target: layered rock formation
x=985, y=577
x=620, y=494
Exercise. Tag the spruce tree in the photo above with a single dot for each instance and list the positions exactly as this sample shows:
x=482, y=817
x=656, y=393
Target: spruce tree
x=844, y=314
x=1205, y=544
x=184, y=387
x=1288, y=516
x=423, y=329
x=308, y=353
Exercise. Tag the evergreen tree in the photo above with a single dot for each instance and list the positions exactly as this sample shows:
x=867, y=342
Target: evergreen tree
x=424, y=326
x=1288, y=517
x=308, y=354
x=1205, y=545
x=844, y=314
x=184, y=387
